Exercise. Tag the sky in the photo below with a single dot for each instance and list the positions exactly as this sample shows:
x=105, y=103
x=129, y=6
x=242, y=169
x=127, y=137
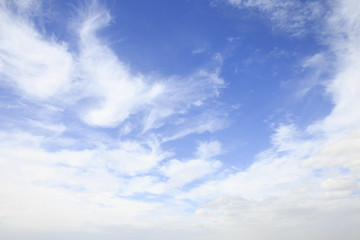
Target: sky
x=187, y=119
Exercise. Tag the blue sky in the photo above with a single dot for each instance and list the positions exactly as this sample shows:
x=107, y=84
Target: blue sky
x=194, y=119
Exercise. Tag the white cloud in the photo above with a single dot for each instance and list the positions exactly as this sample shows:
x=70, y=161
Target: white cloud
x=269, y=177
x=183, y=94
x=130, y=158
x=207, y=150
x=56, y=128
x=285, y=137
x=319, y=66
x=206, y=122
x=33, y=64
x=198, y=51
x=293, y=16
x=27, y=8
x=66, y=189
x=341, y=127
x=118, y=92
x=338, y=151
x=143, y=184
x=341, y=183
x=184, y=172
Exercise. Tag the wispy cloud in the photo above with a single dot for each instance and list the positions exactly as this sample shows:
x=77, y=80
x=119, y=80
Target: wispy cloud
x=35, y=65
x=118, y=92
x=198, y=51
x=293, y=16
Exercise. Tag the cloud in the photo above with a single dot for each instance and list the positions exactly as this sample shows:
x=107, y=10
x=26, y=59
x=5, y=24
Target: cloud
x=176, y=174
x=338, y=151
x=118, y=92
x=131, y=158
x=184, y=94
x=318, y=67
x=198, y=51
x=341, y=183
x=34, y=65
x=292, y=16
x=342, y=125
x=184, y=172
x=208, y=150
x=52, y=190
x=205, y=122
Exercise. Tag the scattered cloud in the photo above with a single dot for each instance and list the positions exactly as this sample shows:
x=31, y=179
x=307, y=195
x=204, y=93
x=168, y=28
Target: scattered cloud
x=198, y=51
x=181, y=173
x=208, y=150
x=292, y=16
x=121, y=172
